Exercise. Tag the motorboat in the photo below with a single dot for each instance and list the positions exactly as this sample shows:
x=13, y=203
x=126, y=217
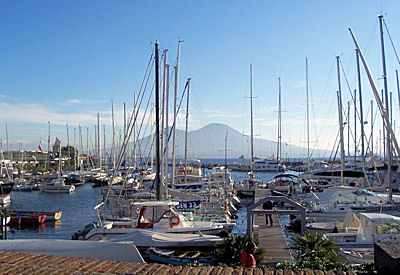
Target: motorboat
x=159, y=216
x=333, y=203
x=350, y=224
x=220, y=176
x=56, y=186
x=283, y=183
x=268, y=165
x=190, y=176
x=5, y=192
x=359, y=246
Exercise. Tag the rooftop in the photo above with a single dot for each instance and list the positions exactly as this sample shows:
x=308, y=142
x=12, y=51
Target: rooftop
x=27, y=263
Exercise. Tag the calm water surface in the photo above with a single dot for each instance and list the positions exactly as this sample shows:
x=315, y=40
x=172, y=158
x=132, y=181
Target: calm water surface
x=77, y=210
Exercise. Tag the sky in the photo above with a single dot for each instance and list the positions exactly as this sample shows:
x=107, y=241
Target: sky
x=65, y=61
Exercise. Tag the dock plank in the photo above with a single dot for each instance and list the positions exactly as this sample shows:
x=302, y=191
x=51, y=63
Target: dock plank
x=271, y=239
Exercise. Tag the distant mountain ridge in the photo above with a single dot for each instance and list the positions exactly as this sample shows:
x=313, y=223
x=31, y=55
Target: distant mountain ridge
x=209, y=142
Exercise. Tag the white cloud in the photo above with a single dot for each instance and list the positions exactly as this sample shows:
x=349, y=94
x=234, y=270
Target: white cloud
x=37, y=113
x=72, y=101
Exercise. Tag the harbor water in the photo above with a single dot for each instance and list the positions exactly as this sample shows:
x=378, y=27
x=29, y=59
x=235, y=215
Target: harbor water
x=78, y=210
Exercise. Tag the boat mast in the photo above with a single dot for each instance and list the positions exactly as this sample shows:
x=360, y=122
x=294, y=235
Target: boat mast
x=348, y=129
x=380, y=105
x=186, y=127
x=372, y=128
x=113, y=134
x=48, y=146
x=69, y=152
x=388, y=136
x=308, y=120
x=339, y=96
x=163, y=137
x=398, y=87
x=176, y=68
x=98, y=140
x=87, y=147
x=251, y=123
x=166, y=130
x=355, y=128
x=361, y=111
x=157, y=137
x=279, y=149
x=75, y=151
x=124, y=132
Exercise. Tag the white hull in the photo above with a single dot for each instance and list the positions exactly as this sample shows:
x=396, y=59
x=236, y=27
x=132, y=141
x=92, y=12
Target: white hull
x=5, y=199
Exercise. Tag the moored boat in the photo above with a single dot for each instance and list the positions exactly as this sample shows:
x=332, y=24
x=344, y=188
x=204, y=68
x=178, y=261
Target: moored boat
x=56, y=186
x=179, y=257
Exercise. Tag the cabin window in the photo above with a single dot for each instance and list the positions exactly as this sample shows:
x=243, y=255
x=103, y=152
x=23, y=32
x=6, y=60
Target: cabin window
x=146, y=215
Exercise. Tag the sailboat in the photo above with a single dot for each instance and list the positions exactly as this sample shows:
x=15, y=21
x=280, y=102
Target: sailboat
x=248, y=186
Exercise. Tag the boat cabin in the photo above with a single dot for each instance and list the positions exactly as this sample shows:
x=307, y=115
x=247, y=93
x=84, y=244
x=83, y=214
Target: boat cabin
x=160, y=214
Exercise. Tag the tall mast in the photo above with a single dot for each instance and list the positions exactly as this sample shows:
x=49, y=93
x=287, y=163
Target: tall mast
x=279, y=149
x=124, y=132
x=348, y=129
x=355, y=128
x=69, y=152
x=381, y=109
x=372, y=128
x=187, y=128
x=251, y=121
x=113, y=134
x=98, y=140
x=388, y=136
x=163, y=137
x=166, y=129
x=176, y=68
x=157, y=91
x=104, y=145
x=383, y=128
x=308, y=120
x=80, y=146
x=361, y=110
x=339, y=95
x=48, y=145
x=87, y=147
x=75, y=151
x=398, y=87
x=135, y=138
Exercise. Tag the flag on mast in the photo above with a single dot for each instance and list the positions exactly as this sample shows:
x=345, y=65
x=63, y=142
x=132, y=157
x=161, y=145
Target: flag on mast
x=40, y=147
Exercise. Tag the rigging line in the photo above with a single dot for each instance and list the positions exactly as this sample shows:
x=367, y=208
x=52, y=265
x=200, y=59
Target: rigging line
x=130, y=124
x=325, y=92
x=144, y=82
x=177, y=112
x=350, y=91
x=131, y=129
x=391, y=41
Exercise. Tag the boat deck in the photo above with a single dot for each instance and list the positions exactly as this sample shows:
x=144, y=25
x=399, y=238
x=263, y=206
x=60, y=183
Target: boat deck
x=271, y=239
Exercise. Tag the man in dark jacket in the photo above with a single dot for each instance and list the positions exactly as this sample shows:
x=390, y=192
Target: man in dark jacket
x=268, y=206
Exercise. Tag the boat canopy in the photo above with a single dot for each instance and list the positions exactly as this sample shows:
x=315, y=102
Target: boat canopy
x=155, y=203
x=149, y=238
x=286, y=175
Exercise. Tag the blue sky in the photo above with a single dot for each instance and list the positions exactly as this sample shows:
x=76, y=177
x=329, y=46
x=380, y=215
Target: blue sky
x=64, y=61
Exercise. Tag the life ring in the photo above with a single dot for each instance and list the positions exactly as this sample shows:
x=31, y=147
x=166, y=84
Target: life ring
x=278, y=183
x=174, y=221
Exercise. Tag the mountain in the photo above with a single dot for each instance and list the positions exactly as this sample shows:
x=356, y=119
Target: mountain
x=209, y=142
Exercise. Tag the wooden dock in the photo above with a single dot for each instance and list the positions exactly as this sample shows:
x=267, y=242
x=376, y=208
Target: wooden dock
x=271, y=239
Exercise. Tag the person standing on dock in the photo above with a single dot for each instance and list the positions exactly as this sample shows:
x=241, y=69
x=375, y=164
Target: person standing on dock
x=268, y=206
x=247, y=257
